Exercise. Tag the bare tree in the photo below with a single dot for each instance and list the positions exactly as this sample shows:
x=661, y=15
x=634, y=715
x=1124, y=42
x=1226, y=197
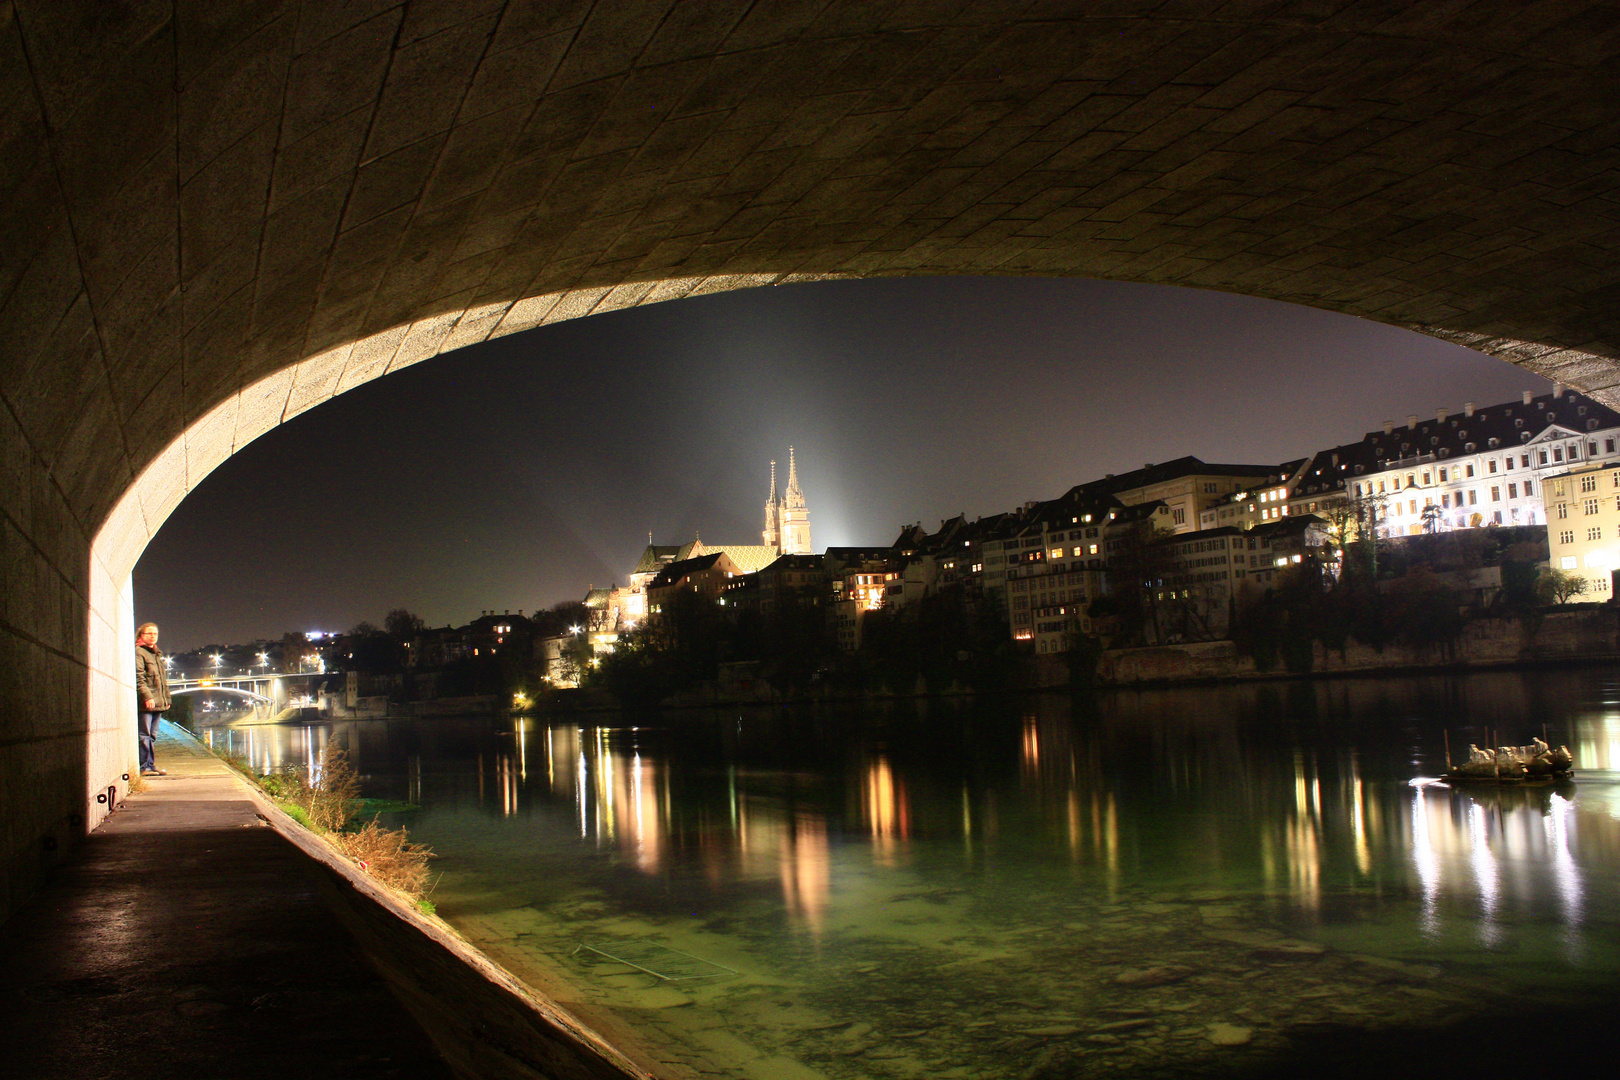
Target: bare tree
x=1560, y=586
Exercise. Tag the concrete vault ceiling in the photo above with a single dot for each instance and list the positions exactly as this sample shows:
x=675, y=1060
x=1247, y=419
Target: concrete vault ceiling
x=199, y=196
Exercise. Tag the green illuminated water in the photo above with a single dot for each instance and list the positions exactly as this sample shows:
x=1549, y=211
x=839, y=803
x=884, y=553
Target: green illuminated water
x=1194, y=882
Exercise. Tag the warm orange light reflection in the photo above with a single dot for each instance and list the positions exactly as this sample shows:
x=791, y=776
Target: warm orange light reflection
x=806, y=868
x=884, y=809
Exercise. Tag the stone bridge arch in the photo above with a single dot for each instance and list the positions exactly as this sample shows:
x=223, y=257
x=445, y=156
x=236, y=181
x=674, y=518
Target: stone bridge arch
x=214, y=214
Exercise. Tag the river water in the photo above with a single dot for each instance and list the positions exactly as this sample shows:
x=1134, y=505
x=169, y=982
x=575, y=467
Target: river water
x=1246, y=880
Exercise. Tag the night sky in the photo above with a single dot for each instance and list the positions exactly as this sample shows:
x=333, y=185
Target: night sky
x=518, y=473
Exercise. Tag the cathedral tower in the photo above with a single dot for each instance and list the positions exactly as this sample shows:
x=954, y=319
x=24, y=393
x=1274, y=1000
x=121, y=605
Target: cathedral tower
x=794, y=515
x=787, y=518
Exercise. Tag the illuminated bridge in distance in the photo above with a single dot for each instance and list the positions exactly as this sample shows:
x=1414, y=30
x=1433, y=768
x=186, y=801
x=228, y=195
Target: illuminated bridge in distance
x=268, y=688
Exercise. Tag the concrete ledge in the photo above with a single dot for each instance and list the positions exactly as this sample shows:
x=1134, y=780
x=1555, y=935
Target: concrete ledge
x=486, y=1023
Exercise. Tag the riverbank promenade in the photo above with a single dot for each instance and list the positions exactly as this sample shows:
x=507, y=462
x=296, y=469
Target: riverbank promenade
x=186, y=938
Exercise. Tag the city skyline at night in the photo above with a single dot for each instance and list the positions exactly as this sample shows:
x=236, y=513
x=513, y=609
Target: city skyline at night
x=518, y=473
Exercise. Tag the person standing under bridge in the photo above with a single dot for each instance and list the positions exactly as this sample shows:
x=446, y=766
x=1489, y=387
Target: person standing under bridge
x=152, y=689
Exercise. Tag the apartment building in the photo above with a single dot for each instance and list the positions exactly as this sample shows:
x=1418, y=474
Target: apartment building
x=1483, y=467
x=1583, y=525
x=1187, y=486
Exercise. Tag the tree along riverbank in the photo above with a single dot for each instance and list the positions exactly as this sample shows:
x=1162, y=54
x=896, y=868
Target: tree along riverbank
x=1576, y=634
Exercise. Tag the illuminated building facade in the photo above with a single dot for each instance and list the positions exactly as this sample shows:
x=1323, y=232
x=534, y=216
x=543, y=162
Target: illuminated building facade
x=1470, y=469
x=1583, y=525
x=860, y=581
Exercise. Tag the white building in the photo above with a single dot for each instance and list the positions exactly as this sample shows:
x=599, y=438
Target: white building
x=1483, y=467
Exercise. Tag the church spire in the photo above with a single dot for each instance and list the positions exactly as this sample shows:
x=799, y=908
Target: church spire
x=793, y=497
x=771, y=535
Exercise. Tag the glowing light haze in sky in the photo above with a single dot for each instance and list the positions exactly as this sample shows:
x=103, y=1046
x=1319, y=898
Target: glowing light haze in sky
x=517, y=473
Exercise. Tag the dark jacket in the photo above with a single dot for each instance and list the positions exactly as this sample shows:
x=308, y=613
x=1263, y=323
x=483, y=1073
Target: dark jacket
x=151, y=680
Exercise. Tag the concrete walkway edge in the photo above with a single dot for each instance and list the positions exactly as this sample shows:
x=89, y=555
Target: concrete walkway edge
x=471, y=1055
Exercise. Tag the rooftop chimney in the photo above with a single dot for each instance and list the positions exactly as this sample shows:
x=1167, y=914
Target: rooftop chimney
x=1411, y=421
x=1527, y=395
x=1558, y=390
x=1389, y=427
x=1468, y=406
x=1440, y=416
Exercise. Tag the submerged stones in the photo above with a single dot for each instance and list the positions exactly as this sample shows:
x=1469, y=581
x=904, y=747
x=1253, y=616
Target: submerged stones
x=1223, y=1034
x=1147, y=978
x=1048, y=987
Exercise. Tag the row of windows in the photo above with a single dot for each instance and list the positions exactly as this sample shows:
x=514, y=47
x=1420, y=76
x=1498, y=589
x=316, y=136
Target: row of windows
x=1450, y=474
x=1588, y=507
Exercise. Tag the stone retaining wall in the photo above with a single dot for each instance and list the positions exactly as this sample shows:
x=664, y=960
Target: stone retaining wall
x=1590, y=632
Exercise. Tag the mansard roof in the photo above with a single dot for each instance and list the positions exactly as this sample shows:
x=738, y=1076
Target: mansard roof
x=1495, y=427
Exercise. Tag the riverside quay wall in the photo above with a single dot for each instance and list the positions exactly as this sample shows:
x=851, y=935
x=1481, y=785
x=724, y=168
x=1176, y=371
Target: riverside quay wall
x=1590, y=632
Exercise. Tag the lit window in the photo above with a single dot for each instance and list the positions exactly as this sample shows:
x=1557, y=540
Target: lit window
x=1567, y=562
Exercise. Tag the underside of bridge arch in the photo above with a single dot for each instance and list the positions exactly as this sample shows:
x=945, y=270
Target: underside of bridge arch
x=216, y=214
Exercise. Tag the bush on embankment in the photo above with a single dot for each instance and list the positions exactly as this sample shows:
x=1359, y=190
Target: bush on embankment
x=324, y=800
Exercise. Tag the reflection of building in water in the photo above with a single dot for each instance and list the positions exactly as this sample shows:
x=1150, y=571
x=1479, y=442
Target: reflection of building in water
x=884, y=809
x=806, y=869
x=623, y=798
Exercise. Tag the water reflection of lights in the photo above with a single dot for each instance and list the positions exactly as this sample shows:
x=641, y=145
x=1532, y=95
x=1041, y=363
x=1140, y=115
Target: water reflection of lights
x=1495, y=844
x=805, y=865
x=1358, y=819
x=506, y=777
x=885, y=809
x=1031, y=756
x=1566, y=874
x=582, y=803
x=1427, y=863
x=1485, y=874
